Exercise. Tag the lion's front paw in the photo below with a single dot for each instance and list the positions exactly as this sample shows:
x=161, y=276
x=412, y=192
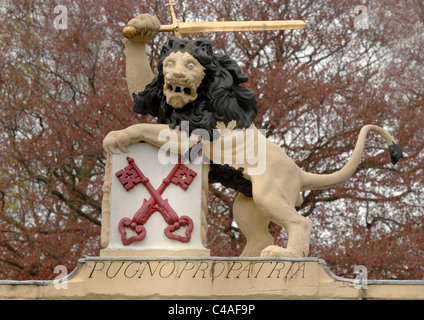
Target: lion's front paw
x=142, y=28
x=276, y=251
x=116, y=139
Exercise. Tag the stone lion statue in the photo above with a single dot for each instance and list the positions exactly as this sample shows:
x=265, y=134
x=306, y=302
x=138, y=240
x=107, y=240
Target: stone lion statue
x=196, y=86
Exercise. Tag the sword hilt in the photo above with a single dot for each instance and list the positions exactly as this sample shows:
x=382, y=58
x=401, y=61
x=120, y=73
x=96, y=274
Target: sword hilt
x=175, y=23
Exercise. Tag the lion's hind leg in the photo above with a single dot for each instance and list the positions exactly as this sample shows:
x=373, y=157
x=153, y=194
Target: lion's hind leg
x=298, y=228
x=253, y=224
x=278, y=205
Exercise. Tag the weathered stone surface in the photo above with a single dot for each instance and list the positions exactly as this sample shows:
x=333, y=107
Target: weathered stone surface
x=206, y=278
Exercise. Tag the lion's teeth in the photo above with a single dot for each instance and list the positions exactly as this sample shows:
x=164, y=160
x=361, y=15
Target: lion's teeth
x=175, y=88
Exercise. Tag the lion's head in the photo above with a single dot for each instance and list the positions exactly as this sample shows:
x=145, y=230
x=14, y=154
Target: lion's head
x=197, y=86
x=182, y=75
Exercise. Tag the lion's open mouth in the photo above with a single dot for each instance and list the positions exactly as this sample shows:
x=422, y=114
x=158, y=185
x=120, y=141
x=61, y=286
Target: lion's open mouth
x=179, y=89
x=179, y=94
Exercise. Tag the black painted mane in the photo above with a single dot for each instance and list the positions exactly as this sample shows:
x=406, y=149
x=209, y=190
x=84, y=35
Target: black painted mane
x=220, y=96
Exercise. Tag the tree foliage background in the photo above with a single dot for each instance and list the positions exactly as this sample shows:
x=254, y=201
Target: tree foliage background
x=63, y=90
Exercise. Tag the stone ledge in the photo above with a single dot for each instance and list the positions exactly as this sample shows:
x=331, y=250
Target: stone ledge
x=206, y=278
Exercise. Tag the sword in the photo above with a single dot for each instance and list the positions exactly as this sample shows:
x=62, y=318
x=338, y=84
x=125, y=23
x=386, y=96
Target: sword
x=226, y=26
x=219, y=26
x=223, y=26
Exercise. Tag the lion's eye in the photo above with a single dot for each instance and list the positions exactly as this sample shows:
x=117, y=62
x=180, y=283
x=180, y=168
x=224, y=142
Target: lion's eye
x=190, y=65
x=170, y=64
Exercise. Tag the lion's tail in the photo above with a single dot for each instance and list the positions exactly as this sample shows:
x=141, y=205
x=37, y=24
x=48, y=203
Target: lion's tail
x=312, y=181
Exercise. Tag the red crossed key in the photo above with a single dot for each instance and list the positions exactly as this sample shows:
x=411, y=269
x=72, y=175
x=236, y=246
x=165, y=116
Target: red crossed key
x=130, y=176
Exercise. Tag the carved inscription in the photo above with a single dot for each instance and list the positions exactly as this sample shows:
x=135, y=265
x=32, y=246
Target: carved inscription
x=197, y=269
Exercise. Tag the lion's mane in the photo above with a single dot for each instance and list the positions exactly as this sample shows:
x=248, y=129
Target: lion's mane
x=220, y=96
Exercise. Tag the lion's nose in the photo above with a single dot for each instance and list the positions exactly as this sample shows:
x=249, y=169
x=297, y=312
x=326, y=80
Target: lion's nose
x=177, y=74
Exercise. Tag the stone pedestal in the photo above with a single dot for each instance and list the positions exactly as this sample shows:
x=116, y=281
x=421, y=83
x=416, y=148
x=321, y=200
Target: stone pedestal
x=207, y=278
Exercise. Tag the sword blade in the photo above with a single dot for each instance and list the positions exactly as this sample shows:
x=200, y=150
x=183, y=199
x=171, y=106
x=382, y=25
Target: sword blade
x=228, y=26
